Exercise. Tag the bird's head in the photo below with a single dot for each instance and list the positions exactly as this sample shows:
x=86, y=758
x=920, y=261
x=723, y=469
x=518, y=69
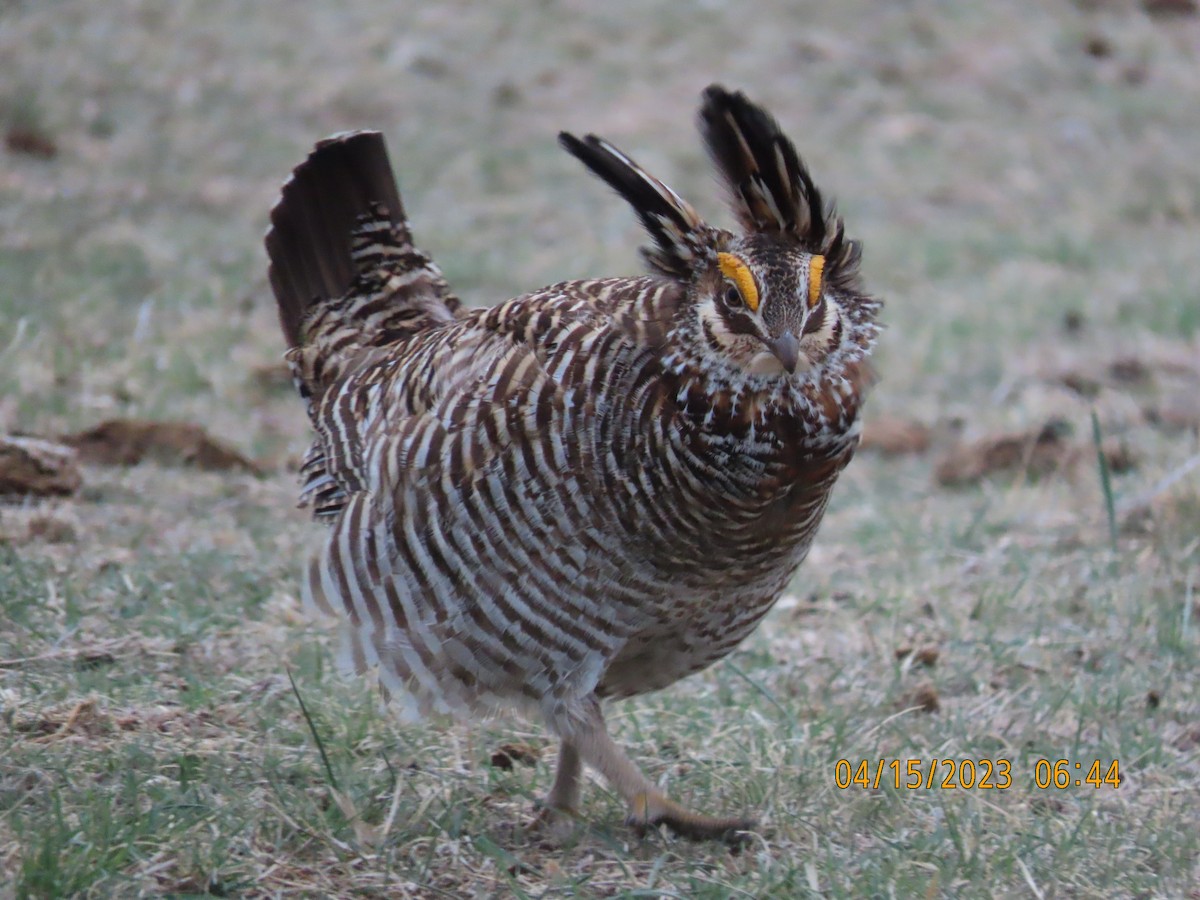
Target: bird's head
x=777, y=300
x=765, y=306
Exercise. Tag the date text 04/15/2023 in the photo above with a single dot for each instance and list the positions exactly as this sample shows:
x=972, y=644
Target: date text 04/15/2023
x=972, y=774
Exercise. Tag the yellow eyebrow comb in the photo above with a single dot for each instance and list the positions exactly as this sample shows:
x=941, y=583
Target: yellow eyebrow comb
x=816, y=268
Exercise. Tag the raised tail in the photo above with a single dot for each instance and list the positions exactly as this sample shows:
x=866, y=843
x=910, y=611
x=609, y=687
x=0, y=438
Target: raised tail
x=347, y=279
x=343, y=266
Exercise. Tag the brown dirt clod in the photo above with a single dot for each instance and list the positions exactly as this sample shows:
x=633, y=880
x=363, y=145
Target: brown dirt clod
x=893, y=436
x=1171, y=7
x=924, y=698
x=1038, y=453
x=35, y=467
x=506, y=755
x=30, y=142
x=127, y=442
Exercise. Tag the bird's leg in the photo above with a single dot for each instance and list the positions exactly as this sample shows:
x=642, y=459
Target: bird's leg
x=560, y=810
x=648, y=806
x=564, y=793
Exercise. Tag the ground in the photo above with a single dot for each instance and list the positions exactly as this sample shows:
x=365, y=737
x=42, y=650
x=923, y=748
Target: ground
x=1023, y=176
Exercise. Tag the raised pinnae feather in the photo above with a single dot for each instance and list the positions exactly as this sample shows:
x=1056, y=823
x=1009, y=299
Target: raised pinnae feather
x=772, y=190
x=675, y=227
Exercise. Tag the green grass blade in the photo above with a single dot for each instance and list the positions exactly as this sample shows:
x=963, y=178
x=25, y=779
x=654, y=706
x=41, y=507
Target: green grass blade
x=313, y=728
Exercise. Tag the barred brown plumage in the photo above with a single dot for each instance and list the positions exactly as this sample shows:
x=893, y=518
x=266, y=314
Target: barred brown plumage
x=589, y=491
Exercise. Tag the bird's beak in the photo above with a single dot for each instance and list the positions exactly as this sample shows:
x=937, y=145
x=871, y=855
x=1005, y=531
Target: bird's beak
x=787, y=350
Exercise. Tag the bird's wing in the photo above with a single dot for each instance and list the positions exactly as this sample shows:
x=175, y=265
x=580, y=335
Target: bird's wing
x=466, y=558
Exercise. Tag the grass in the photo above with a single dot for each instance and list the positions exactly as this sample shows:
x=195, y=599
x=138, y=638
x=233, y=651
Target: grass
x=1007, y=181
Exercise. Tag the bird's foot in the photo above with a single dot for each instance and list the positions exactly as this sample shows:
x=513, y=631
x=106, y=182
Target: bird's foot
x=555, y=825
x=651, y=809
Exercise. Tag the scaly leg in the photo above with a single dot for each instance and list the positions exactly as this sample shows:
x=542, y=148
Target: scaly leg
x=560, y=809
x=564, y=793
x=648, y=806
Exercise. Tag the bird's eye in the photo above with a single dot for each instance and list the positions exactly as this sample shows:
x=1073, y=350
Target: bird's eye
x=741, y=290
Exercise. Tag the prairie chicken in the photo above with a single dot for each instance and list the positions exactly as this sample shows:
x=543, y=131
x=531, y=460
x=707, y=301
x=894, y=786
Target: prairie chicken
x=587, y=492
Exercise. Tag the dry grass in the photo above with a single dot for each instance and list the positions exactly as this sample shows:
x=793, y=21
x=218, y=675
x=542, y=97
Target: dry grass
x=1024, y=177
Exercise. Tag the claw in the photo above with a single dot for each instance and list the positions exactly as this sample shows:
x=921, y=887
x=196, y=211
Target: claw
x=638, y=817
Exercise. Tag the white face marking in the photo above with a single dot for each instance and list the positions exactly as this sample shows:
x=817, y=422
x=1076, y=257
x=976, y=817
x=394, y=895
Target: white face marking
x=707, y=314
x=740, y=348
x=816, y=346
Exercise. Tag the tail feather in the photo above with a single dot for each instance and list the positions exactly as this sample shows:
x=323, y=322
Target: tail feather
x=310, y=239
x=343, y=266
x=677, y=230
x=347, y=279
